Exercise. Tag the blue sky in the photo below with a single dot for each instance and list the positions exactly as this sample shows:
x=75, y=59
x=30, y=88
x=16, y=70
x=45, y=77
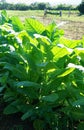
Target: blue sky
x=53, y=2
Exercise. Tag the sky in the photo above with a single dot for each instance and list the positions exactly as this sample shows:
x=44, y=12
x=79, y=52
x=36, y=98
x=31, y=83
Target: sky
x=52, y=2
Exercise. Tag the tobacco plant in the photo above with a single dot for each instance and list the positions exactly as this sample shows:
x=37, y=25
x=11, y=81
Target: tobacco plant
x=41, y=74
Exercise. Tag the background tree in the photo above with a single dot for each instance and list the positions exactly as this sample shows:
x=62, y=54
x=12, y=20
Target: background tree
x=41, y=6
x=81, y=7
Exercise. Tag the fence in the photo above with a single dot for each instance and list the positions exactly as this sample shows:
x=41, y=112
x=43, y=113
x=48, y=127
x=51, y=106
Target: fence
x=60, y=12
x=72, y=29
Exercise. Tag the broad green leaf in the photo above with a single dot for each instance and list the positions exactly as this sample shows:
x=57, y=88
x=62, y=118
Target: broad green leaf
x=27, y=84
x=17, y=71
x=53, y=85
x=50, y=98
x=80, y=53
x=50, y=67
x=79, y=50
x=62, y=93
x=69, y=43
x=79, y=102
x=51, y=27
x=27, y=114
x=34, y=26
x=3, y=17
x=77, y=114
x=52, y=32
x=1, y=88
x=10, y=109
x=59, y=52
x=17, y=24
x=10, y=95
x=61, y=60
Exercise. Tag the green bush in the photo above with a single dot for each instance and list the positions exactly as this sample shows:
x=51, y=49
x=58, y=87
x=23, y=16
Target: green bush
x=41, y=74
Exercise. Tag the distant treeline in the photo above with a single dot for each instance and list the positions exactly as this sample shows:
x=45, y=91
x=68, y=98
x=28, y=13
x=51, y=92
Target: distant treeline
x=35, y=6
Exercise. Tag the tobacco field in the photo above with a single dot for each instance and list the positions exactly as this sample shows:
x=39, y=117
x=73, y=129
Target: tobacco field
x=41, y=75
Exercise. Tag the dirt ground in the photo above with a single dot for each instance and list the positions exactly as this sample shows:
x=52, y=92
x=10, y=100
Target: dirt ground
x=72, y=29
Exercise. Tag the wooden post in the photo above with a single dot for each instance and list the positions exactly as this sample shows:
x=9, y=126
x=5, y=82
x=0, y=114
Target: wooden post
x=69, y=13
x=60, y=13
x=45, y=12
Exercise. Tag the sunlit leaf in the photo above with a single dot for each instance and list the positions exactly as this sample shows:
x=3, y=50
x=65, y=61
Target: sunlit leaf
x=33, y=26
x=67, y=71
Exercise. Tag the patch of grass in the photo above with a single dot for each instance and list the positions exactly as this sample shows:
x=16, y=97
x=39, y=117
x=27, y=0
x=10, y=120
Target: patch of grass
x=39, y=14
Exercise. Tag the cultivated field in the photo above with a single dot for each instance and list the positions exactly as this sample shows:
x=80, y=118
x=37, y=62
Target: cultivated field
x=41, y=72
x=72, y=25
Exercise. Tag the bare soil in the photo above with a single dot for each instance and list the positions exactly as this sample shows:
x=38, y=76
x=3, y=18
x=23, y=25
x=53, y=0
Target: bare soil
x=72, y=29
